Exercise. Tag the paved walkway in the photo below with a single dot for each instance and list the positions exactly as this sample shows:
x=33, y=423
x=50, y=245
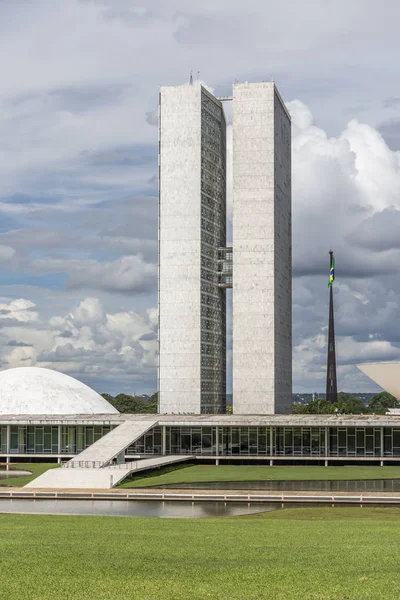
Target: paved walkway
x=98, y=478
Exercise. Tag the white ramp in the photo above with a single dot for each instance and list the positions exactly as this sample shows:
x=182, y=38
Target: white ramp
x=57, y=479
x=95, y=478
x=110, y=445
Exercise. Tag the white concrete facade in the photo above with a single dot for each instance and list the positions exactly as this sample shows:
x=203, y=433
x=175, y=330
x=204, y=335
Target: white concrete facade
x=385, y=374
x=262, y=294
x=191, y=228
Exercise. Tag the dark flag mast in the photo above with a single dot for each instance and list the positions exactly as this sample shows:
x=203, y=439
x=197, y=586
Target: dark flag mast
x=331, y=383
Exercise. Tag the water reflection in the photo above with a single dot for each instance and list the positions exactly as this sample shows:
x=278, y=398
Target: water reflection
x=137, y=508
x=13, y=473
x=364, y=485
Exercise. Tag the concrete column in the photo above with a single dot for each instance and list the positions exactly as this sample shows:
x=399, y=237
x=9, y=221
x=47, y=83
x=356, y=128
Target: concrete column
x=59, y=445
x=382, y=446
x=163, y=440
x=216, y=446
x=8, y=444
x=271, y=443
x=326, y=444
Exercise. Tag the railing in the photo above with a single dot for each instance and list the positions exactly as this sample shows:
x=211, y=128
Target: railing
x=96, y=464
x=126, y=465
x=83, y=464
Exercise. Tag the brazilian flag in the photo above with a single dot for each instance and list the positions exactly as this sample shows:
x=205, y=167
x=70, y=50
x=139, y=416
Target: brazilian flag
x=332, y=272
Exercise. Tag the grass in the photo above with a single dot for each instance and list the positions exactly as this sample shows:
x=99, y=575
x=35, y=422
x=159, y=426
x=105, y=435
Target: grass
x=202, y=473
x=297, y=554
x=36, y=469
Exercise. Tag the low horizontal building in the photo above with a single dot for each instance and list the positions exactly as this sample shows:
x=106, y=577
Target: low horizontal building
x=285, y=437
x=104, y=434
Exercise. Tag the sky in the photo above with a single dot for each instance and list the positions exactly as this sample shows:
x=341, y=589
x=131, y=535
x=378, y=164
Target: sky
x=78, y=173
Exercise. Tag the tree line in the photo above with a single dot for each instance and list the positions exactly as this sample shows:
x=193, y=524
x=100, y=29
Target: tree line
x=133, y=404
x=346, y=404
x=349, y=404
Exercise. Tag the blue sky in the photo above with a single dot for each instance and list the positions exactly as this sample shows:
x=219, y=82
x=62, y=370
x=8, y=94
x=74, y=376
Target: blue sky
x=78, y=173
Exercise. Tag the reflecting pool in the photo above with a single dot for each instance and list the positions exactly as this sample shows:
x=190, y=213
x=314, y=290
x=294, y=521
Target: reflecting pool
x=13, y=473
x=136, y=508
x=364, y=485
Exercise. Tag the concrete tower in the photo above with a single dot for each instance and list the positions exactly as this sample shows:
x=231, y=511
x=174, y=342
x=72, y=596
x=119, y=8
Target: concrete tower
x=262, y=278
x=192, y=227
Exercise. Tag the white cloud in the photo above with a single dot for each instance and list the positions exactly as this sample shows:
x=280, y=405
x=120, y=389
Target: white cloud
x=6, y=253
x=342, y=190
x=88, y=342
x=125, y=274
x=19, y=310
x=77, y=158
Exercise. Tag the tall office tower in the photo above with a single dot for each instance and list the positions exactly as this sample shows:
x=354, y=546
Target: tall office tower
x=262, y=293
x=192, y=228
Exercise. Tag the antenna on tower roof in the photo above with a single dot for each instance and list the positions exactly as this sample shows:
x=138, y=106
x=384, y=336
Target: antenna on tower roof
x=191, y=78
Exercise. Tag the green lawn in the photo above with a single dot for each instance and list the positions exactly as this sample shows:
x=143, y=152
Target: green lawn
x=297, y=554
x=36, y=470
x=201, y=473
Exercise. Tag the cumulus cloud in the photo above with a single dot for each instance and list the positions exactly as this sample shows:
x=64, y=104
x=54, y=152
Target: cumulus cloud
x=117, y=349
x=126, y=274
x=18, y=310
x=78, y=169
x=345, y=197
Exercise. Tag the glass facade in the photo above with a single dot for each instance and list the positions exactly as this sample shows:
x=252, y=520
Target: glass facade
x=50, y=439
x=213, y=236
x=274, y=441
x=3, y=438
x=241, y=441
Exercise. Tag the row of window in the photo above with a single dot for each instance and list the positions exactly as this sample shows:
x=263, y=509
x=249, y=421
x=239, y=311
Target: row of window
x=280, y=441
x=45, y=439
x=229, y=441
x=212, y=107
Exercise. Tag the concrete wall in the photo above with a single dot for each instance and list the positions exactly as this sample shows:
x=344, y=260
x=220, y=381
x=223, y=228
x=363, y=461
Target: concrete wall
x=188, y=381
x=179, y=249
x=261, y=251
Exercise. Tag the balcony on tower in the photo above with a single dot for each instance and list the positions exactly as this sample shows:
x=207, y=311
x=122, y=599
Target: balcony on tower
x=225, y=262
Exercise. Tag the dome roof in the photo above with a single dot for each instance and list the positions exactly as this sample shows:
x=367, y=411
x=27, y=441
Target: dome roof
x=38, y=391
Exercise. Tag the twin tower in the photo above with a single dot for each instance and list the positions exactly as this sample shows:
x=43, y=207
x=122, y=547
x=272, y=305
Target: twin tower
x=196, y=266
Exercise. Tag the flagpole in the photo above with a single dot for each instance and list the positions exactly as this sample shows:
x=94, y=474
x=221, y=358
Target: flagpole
x=331, y=381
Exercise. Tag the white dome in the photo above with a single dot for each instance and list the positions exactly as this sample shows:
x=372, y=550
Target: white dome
x=38, y=391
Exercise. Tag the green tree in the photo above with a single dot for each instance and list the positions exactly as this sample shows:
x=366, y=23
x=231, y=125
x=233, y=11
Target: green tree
x=320, y=406
x=381, y=402
x=314, y=407
x=349, y=404
x=108, y=397
x=125, y=403
x=346, y=403
x=299, y=409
